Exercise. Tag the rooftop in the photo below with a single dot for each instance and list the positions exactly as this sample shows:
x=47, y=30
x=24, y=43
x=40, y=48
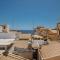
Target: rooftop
x=21, y=44
x=6, y=41
x=51, y=50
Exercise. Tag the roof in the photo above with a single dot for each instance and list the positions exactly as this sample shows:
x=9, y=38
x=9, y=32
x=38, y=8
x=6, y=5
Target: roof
x=24, y=43
x=51, y=50
x=6, y=41
x=21, y=43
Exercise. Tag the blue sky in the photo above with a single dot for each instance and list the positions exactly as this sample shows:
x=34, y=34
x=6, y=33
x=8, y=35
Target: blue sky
x=24, y=14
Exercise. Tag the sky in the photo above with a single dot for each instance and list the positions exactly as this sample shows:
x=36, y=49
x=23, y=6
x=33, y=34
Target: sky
x=28, y=14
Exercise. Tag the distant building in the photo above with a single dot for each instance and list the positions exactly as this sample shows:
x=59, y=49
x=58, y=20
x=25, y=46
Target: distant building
x=23, y=36
x=4, y=28
x=41, y=31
